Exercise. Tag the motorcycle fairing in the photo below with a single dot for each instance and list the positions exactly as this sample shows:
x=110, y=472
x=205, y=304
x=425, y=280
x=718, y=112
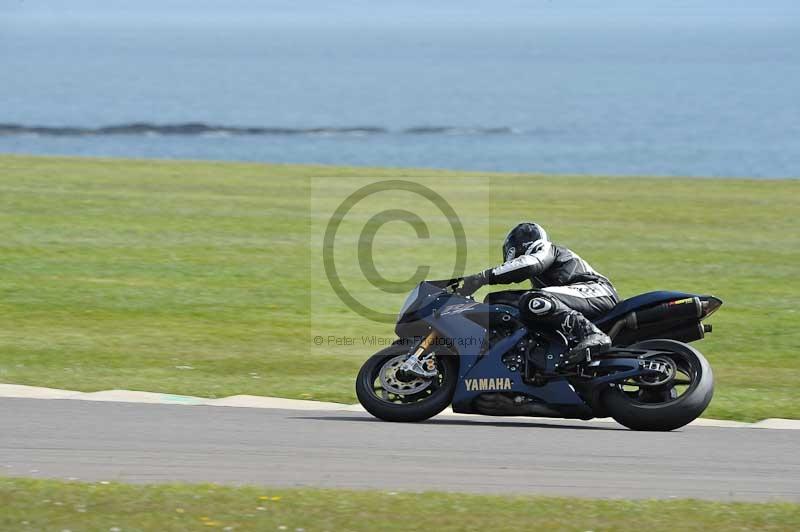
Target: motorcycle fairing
x=463, y=327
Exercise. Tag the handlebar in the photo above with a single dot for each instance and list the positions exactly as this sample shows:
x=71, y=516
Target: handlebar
x=450, y=284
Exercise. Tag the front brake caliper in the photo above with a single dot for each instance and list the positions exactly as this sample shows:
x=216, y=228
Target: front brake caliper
x=425, y=368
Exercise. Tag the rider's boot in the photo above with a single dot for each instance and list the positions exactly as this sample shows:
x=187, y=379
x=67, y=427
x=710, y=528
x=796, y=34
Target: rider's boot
x=584, y=337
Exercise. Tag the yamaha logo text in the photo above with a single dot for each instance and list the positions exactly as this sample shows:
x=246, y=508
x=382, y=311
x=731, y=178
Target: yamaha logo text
x=474, y=385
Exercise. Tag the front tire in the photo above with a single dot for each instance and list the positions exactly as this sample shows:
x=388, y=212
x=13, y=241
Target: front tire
x=416, y=405
x=663, y=408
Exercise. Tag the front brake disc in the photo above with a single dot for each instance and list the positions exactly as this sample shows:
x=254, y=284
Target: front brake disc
x=390, y=382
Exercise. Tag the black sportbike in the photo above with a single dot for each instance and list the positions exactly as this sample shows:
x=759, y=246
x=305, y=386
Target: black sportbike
x=482, y=359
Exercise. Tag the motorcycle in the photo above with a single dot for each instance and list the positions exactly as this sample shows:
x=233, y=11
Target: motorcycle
x=482, y=359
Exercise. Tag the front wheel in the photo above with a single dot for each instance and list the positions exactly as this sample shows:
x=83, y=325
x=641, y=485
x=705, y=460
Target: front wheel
x=661, y=406
x=384, y=395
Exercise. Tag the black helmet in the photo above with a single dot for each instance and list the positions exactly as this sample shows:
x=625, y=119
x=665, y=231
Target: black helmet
x=525, y=239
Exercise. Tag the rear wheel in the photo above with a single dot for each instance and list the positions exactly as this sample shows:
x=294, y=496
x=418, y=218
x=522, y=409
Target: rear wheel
x=674, y=398
x=385, y=395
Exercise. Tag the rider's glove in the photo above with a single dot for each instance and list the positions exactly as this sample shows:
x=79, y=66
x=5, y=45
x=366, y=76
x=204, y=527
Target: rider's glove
x=472, y=283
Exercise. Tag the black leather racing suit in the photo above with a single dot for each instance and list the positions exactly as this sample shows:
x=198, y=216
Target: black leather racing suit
x=562, y=282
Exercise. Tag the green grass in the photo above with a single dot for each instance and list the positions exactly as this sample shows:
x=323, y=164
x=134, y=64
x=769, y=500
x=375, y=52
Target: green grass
x=121, y=274
x=54, y=505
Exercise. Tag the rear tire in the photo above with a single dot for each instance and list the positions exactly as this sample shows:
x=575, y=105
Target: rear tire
x=422, y=409
x=672, y=413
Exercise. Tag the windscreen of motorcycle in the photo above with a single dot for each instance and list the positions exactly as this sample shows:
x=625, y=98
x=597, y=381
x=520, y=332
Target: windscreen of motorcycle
x=410, y=300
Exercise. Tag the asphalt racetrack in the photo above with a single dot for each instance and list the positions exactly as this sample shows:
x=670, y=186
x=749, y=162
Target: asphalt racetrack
x=98, y=441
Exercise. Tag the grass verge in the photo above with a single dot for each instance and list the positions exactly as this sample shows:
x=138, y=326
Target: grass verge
x=54, y=505
x=201, y=278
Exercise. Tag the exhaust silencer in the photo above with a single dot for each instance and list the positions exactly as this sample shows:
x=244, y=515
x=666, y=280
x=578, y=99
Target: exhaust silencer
x=689, y=333
x=681, y=309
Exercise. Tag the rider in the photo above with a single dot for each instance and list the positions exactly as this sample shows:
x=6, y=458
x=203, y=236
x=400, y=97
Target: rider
x=567, y=291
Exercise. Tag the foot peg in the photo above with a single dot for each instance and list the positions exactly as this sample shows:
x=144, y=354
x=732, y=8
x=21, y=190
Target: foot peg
x=583, y=352
x=589, y=341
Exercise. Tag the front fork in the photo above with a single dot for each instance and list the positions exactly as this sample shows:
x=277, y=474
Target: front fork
x=420, y=364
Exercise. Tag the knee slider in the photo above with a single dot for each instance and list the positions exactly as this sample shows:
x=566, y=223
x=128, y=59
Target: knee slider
x=538, y=304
